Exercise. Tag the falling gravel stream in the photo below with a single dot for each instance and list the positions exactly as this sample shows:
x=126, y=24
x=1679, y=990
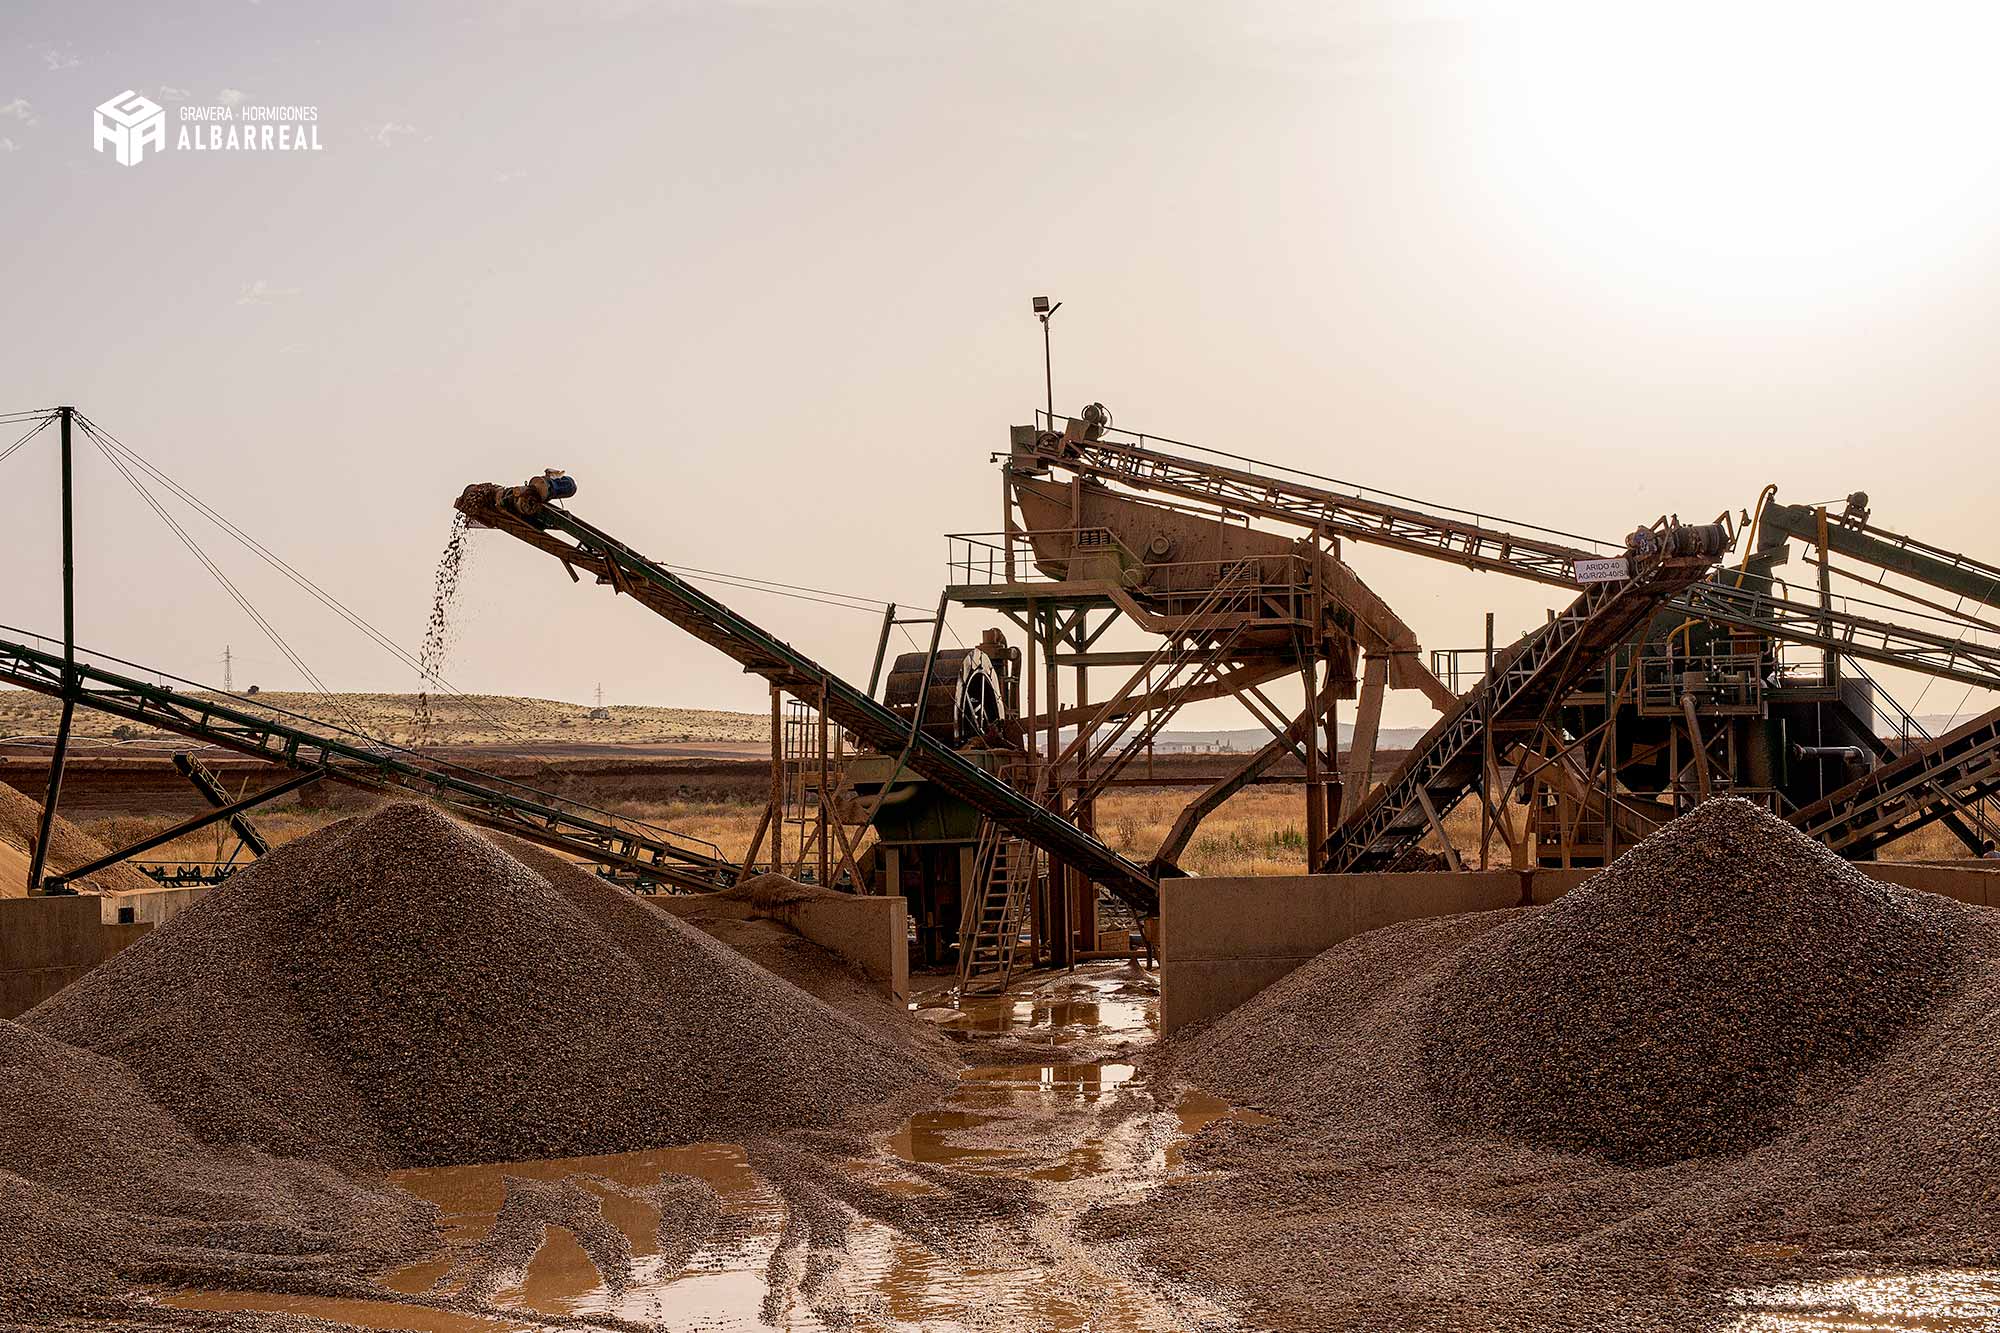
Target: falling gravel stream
x=440, y=629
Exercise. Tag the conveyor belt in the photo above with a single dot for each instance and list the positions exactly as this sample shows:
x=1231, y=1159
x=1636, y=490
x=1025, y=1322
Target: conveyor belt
x=1526, y=685
x=1474, y=542
x=1929, y=782
x=625, y=570
x=622, y=850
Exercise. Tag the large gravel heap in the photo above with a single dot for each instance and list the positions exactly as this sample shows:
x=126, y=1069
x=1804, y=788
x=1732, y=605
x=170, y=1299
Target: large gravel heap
x=1682, y=1002
x=1726, y=1066
x=21, y=823
x=100, y=1187
x=395, y=990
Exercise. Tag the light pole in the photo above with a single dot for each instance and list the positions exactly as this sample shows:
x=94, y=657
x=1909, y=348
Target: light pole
x=1042, y=312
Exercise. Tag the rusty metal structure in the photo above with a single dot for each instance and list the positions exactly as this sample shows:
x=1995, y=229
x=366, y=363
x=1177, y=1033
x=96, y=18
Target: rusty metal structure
x=1733, y=684
x=1100, y=528
x=979, y=769
x=1670, y=677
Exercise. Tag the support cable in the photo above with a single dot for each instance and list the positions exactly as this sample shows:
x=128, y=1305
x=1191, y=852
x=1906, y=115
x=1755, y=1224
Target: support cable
x=417, y=758
x=33, y=431
x=215, y=571
x=109, y=442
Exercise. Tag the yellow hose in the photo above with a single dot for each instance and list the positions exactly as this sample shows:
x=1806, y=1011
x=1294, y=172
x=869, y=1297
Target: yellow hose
x=1742, y=566
x=1756, y=517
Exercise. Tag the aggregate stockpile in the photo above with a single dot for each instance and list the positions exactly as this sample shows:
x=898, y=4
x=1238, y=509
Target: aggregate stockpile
x=21, y=823
x=100, y=1188
x=397, y=991
x=1728, y=1062
x=1684, y=1002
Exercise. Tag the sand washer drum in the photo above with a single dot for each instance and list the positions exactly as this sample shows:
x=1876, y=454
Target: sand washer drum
x=965, y=700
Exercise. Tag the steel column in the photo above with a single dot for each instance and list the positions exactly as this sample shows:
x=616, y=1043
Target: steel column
x=60, y=755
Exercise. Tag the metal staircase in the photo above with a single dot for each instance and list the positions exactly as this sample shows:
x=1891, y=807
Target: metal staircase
x=1184, y=664
x=1515, y=701
x=990, y=926
x=1944, y=778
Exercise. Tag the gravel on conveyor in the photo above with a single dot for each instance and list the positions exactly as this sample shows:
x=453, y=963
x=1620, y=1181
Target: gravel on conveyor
x=1682, y=1001
x=396, y=990
x=1831, y=1045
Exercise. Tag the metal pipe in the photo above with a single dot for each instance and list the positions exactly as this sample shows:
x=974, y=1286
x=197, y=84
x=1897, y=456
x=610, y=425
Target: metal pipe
x=1852, y=754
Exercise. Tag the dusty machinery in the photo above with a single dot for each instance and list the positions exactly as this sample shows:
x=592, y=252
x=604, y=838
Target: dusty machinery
x=1233, y=611
x=920, y=737
x=927, y=845
x=1707, y=693
x=1739, y=689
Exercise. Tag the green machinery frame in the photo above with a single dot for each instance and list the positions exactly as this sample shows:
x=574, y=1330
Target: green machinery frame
x=647, y=858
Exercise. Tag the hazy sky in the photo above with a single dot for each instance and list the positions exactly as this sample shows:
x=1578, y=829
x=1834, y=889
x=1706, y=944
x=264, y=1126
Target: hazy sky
x=759, y=274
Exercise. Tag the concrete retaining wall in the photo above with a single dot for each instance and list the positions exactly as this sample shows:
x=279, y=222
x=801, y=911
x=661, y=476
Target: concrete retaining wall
x=154, y=907
x=1969, y=882
x=870, y=932
x=117, y=936
x=1224, y=939
x=45, y=943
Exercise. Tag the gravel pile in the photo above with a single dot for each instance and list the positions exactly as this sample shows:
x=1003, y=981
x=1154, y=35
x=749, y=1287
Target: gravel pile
x=396, y=991
x=1683, y=1001
x=736, y=917
x=101, y=1188
x=1522, y=1176
x=773, y=890
x=21, y=823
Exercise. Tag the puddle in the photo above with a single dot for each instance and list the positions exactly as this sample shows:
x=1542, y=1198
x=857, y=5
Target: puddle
x=1197, y=1110
x=1101, y=1013
x=1939, y=1299
x=1087, y=1132
x=470, y=1196
x=362, y=1314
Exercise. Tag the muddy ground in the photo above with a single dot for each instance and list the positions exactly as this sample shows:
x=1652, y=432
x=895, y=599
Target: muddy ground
x=963, y=1217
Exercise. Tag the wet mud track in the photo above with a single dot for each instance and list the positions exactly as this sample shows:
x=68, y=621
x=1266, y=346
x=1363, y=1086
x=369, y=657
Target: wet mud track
x=970, y=1215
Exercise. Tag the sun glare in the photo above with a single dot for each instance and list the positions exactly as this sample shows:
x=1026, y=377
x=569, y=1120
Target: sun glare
x=1746, y=144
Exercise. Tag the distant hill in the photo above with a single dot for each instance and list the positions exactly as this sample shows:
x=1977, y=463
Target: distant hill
x=1937, y=724
x=494, y=719
x=478, y=719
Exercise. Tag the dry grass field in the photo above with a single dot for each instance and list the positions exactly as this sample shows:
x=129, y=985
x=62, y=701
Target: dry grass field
x=1260, y=831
